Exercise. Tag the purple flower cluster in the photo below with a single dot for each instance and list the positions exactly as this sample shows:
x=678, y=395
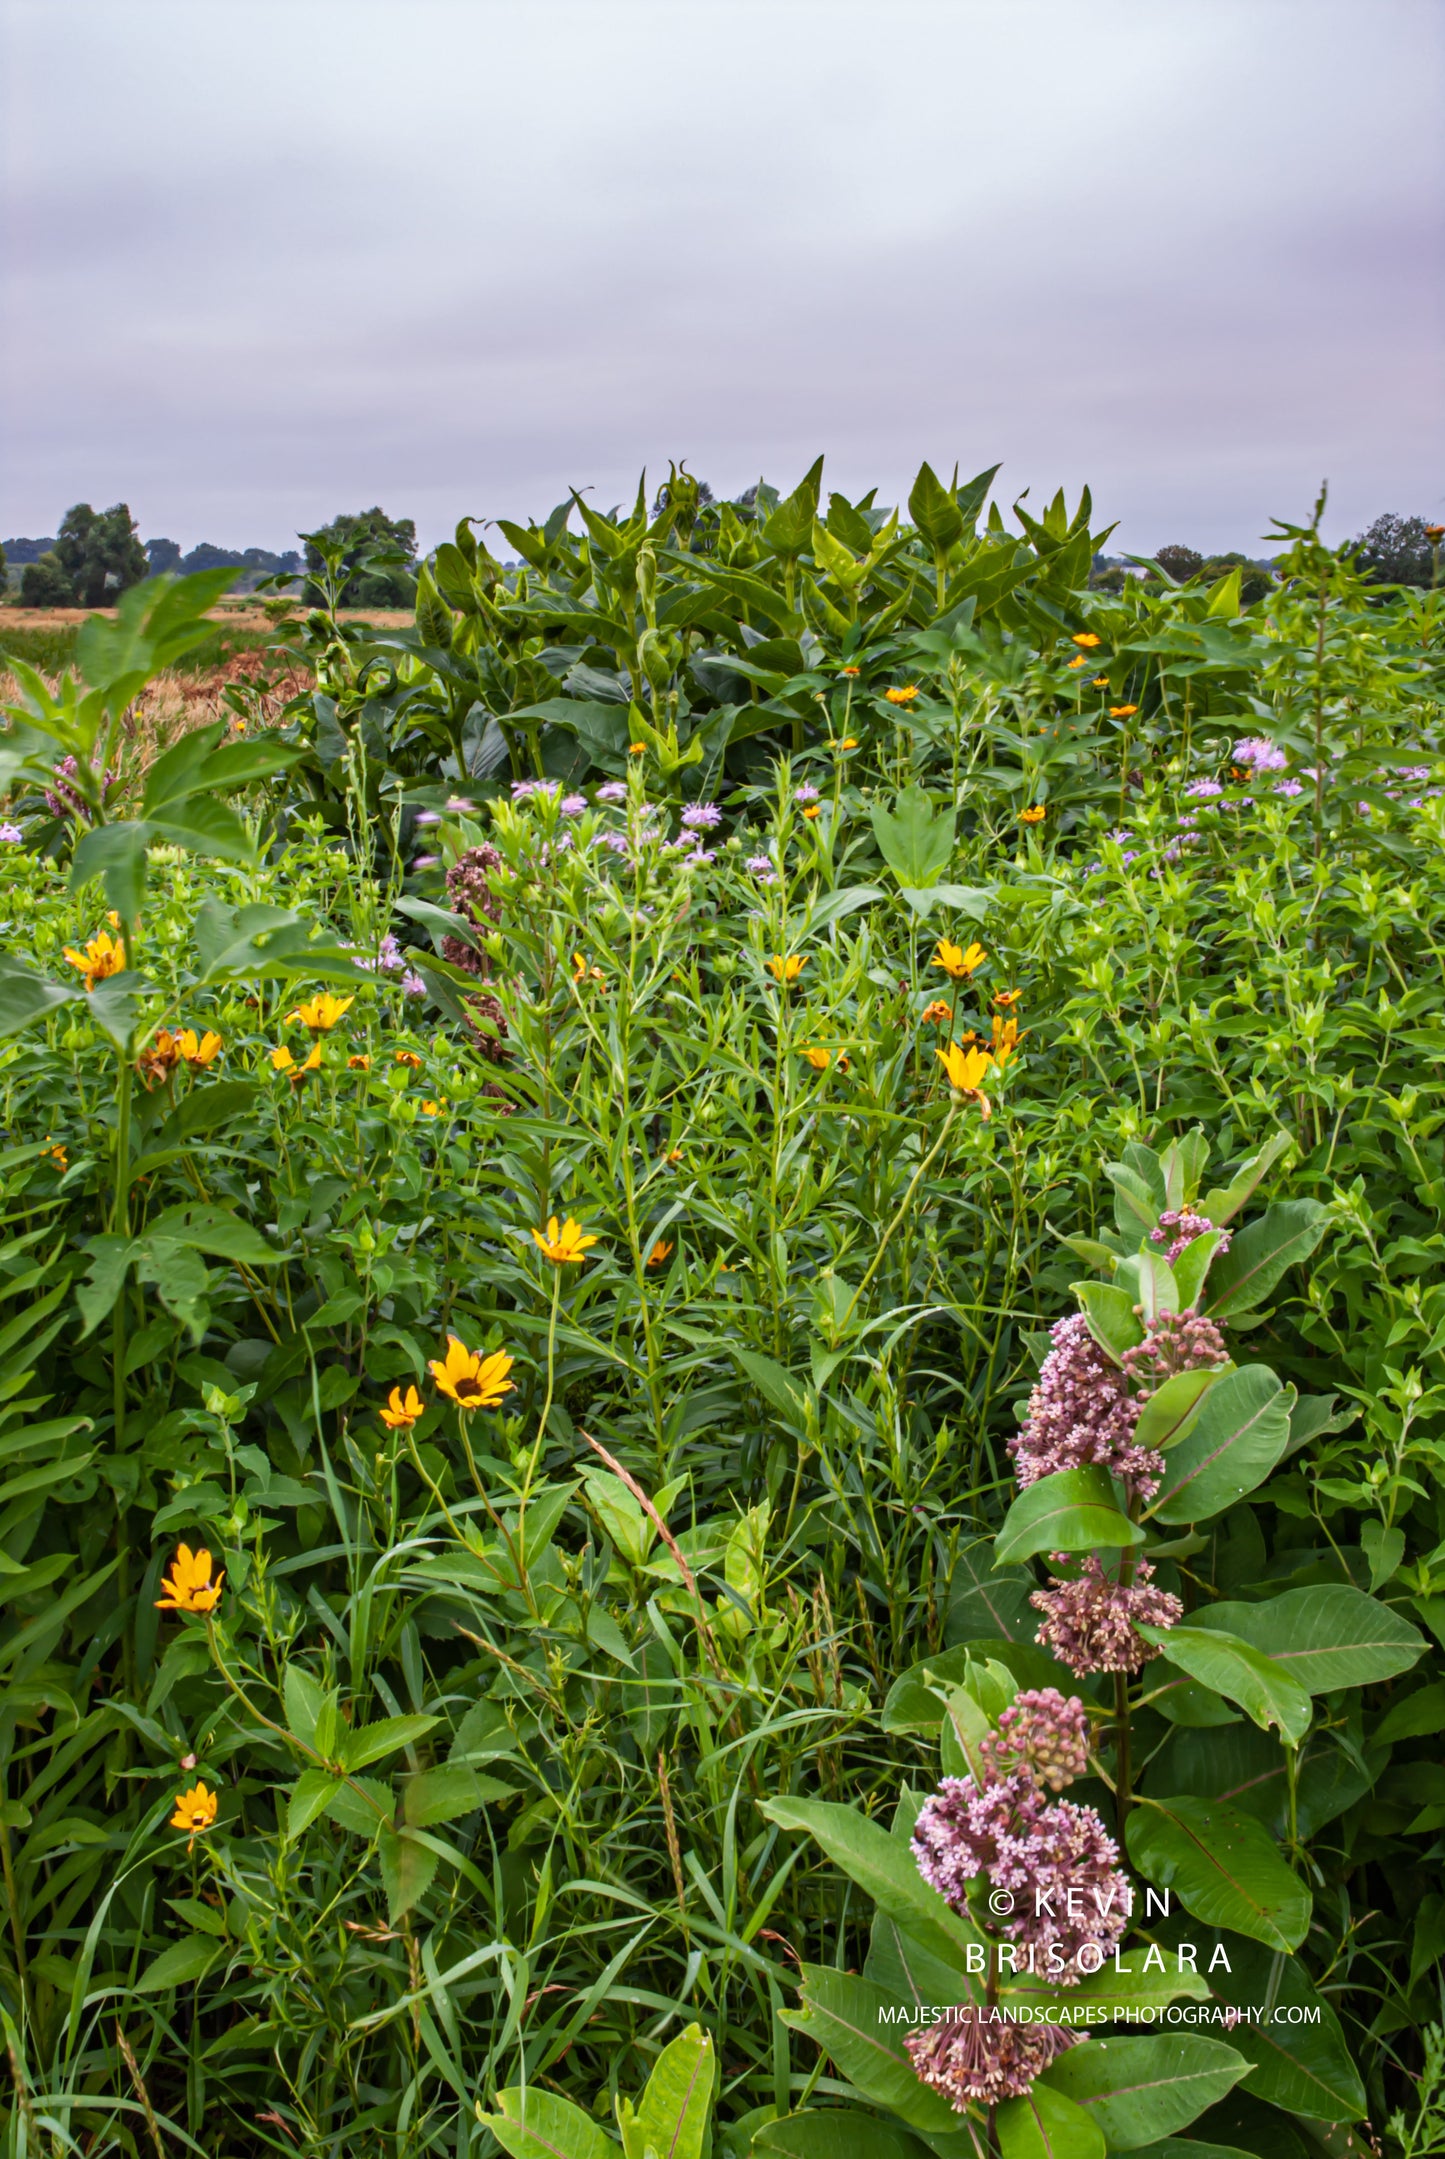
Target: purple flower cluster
x=1055, y=1860
x=1288, y=787
x=523, y=790
x=388, y=960
x=11, y=835
x=1042, y=1732
x=1176, y=1342
x=573, y=805
x=1185, y=1227
x=976, y=2057
x=805, y=792
x=612, y=791
x=1204, y=790
x=1089, y=1623
x=701, y=816
x=63, y=801
x=1258, y=754
x=1081, y=1412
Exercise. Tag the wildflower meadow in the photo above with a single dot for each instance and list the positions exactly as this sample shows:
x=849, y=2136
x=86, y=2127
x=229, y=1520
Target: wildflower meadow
x=722, y=1382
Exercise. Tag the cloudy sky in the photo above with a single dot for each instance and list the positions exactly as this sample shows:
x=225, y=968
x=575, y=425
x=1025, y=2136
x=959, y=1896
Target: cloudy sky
x=265, y=260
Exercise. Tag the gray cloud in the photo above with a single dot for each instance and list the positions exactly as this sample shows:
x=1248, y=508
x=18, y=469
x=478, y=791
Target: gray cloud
x=455, y=255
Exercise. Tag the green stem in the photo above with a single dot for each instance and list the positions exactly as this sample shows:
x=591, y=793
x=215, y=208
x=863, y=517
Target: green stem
x=1123, y=1794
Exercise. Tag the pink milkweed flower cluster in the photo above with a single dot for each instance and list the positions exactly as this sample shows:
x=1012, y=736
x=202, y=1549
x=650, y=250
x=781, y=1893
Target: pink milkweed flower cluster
x=1176, y=1342
x=974, y=2057
x=1091, y=1623
x=1042, y=1732
x=1185, y=1227
x=1080, y=1413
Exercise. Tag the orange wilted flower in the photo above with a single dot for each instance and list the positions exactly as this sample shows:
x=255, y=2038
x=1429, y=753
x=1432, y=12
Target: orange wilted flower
x=402, y=1410
x=1005, y=1039
x=813, y=809
x=661, y=1253
x=408, y=1058
x=1435, y=534
x=1086, y=640
x=789, y=969
x=562, y=1242
x=358, y=1064
x=1122, y=712
x=471, y=1380
x=1007, y=998
x=188, y=1587
x=936, y=1014
x=195, y=1810
x=903, y=696
x=103, y=956
x=957, y=964
x=160, y=1058
x=850, y=671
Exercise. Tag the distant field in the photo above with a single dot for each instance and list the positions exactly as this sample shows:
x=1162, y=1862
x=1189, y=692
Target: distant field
x=45, y=637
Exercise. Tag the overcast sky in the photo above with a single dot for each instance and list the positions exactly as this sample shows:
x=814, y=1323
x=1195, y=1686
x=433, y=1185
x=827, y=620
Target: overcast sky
x=265, y=260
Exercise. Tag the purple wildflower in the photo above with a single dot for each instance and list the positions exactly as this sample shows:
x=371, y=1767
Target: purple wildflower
x=1288, y=787
x=412, y=985
x=1204, y=790
x=460, y=803
x=1081, y=1412
x=573, y=805
x=759, y=865
x=11, y=835
x=1089, y=1623
x=617, y=841
x=1186, y=1228
x=1259, y=754
x=425, y=862
x=612, y=791
x=388, y=959
x=976, y=2057
x=66, y=801
x=700, y=859
x=805, y=792
x=1176, y=1342
x=428, y=817
x=700, y=815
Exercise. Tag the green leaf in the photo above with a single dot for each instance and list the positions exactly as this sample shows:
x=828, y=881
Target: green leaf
x=535, y=2124
x=1139, y=2090
x=1222, y=1204
x=835, y=2133
x=1170, y=1411
x=311, y=1794
x=1046, y=2124
x=1304, y=2066
x=214, y=1230
x=371, y=1742
x=916, y=838
x=183, y=1961
x=1324, y=1637
x=790, y=527
x=1262, y=1254
x=1130, y=1987
x=306, y=1701
x=935, y=511
x=848, y=2017
x=1074, y=1510
x=1224, y=1867
x=672, y=2114
x=26, y=997
x=363, y=1805
x=883, y=1868
x=1112, y=1319
x=444, y=1794
x=1419, y=1716
x=1241, y=1673
x=408, y=1867
x=773, y=1382
x=1241, y=1432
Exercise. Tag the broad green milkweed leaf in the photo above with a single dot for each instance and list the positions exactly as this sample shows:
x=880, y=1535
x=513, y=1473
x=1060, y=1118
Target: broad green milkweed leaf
x=1241, y=1432
x=673, y=2113
x=1241, y=1673
x=1303, y=2066
x=883, y=1868
x=1113, y=1322
x=1324, y=1637
x=534, y=2124
x=850, y=2018
x=1138, y=2090
x=1262, y=1254
x=836, y=2133
x=1047, y=2124
x=1223, y=1866
x=1074, y=1510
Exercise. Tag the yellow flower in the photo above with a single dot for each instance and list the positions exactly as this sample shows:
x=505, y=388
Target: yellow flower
x=562, y=1242
x=905, y=696
x=1435, y=534
x=1033, y=815
x=1099, y=682
x=1078, y=660
x=819, y=1059
x=283, y=1061
x=674, y=1154
x=103, y=956
x=402, y=1410
x=789, y=969
x=408, y=1057
x=957, y=964
x=1122, y=712
x=849, y=742
x=636, y=749
x=1005, y=1039
x=321, y=1012
x=189, y=1587
x=199, y=1049
x=1006, y=998
x=432, y=1109
x=59, y=1156
x=813, y=809
x=195, y=1810
x=965, y=1067
x=470, y=1379
x=936, y=1014
x=660, y=1254
x=849, y=671
x=1086, y=640
x=358, y=1064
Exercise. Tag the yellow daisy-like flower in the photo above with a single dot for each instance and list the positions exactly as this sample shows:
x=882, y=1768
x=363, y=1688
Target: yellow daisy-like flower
x=966, y=1068
x=195, y=1810
x=321, y=1012
x=471, y=1380
x=789, y=969
x=819, y=1059
x=402, y=1410
x=199, y=1049
x=562, y=1242
x=903, y=696
x=636, y=749
x=1087, y=640
x=408, y=1058
x=283, y=1061
x=849, y=742
x=957, y=964
x=1033, y=815
x=661, y=1253
x=59, y=1156
x=103, y=956
x=1122, y=712
x=1007, y=998
x=433, y=1109
x=188, y=1587
x=813, y=809
x=1079, y=660
x=1099, y=682
x=1005, y=1039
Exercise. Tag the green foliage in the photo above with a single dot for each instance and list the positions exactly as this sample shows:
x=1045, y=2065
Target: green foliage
x=544, y=1732
x=100, y=553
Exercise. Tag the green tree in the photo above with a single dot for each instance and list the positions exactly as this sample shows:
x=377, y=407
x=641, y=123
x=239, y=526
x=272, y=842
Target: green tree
x=1394, y=551
x=1179, y=562
x=45, y=584
x=376, y=555
x=100, y=552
